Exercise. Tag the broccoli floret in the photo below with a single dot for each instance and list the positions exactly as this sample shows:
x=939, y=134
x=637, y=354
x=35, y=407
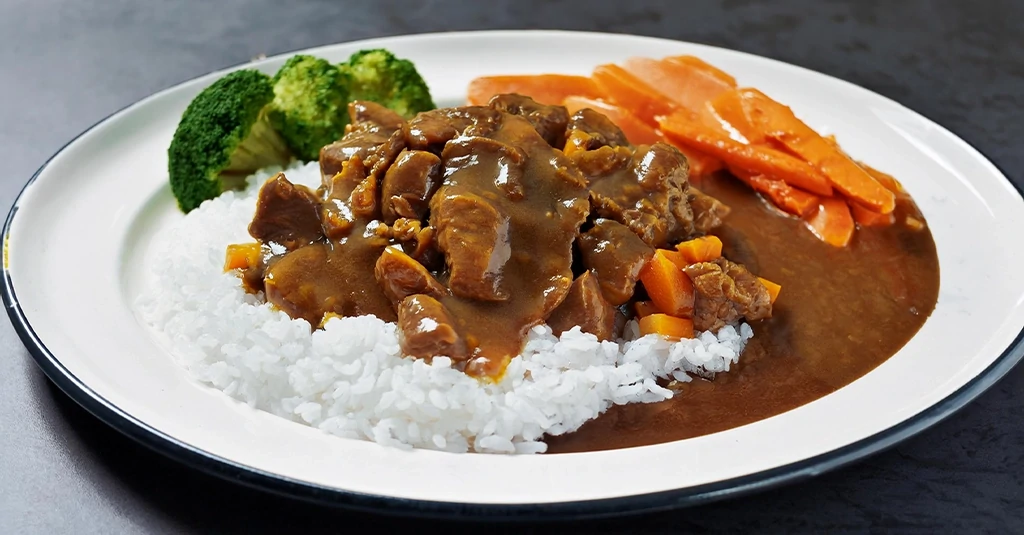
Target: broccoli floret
x=224, y=136
x=310, y=104
x=379, y=76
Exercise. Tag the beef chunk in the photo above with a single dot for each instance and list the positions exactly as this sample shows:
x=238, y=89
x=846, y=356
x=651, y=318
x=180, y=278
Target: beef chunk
x=474, y=238
x=708, y=212
x=408, y=185
x=286, y=214
x=725, y=292
x=375, y=136
x=645, y=190
x=549, y=121
x=430, y=130
x=426, y=329
x=586, y=307
x=400, y=276
x=590, y=130
x=616, y=255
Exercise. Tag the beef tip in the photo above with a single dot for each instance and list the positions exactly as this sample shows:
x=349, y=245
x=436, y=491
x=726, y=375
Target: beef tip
x=590, y=130
x=473, y=235
x=586, y=307
x=408, y=185
x=708, y=212
x=616, y=255
x=430, y=130
x=286, y=214
x=646, y=192
x=375, y=135
x=365, y=112
x=549, y=121
x=725, y=292
x=426, y=329
x=400, y=276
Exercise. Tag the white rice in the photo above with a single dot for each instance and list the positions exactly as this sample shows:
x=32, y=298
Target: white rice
x=350, y=378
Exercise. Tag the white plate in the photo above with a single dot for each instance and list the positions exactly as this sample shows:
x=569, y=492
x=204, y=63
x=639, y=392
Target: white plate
x=78, y=233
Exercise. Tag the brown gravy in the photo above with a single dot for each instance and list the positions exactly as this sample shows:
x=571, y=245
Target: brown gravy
x=842, y=312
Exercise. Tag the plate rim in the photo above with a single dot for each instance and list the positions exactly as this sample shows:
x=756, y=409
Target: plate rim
x=227, y=469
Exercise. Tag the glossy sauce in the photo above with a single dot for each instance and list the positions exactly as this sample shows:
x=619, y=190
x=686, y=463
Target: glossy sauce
x=841, y=313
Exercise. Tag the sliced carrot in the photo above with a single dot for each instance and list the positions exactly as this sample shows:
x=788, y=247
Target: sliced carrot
x=702, y=249
x=668, y=287
x=700, y=164
x=627, y=91
x=645, y=308
x=241, y=256
x=777, y=122
x=544, y=88
x=728, y=108
x=773, y=289
x=686, y=129
x=832, y=223
x=785, y=197
x=637, y=132
x=886, y=180
x=685, y=84
x=670, y=327
x=867, y=218
x=694, y=61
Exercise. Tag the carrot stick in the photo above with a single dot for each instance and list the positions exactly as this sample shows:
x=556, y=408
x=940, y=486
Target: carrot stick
x=728, y=108
x=702, y=249
x=683, y=83
x=785, y=197
x=867, y=218
x=544, y=88
x=777, y=122
x=645, y=308
x=670, y=327
x=637, y=132
x=773, y=289
x=832, y=223
x=625, y=90
x=668, y=286
x=694, y=61
x=684, y=128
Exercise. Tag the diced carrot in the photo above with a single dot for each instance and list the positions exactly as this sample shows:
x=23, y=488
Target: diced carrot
x=728, y=108
x=241, y=256
x=702, y=249
x=637, y=132
x=867, y=218
x=683, y=83
x=676, y=257
x=544, y=88
x=773, y=289
x=670, y=327
x=832, y=223
x=785, y=197
x=645, y=308
x=625, y=90
x=777, y=122
x=694, y=61
x=668, y=286
x=686, y=129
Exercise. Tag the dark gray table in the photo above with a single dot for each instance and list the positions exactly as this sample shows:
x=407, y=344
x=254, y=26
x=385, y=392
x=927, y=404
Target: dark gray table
x=66, y=64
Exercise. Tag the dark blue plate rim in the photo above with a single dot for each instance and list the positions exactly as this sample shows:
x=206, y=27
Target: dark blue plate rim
x=644, y=503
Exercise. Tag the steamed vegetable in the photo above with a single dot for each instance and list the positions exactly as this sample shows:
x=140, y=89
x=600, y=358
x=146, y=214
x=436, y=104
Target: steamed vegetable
x=702, y=249
x=773, y=289
x=670, y=327
x=379, y=76
x=310, y=104
x=549, y=89
x=669, y=288
x=223, y=137
x=832, y=222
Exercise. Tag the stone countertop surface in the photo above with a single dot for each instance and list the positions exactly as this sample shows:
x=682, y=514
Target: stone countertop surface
x=68, y=63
